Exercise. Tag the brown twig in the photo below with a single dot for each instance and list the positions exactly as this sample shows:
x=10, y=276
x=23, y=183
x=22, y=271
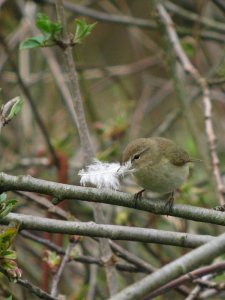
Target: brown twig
x=214, y=268
x=194, y=73
x=74, y=87
x=58, y=275
x=106, y=253
x=31, y=287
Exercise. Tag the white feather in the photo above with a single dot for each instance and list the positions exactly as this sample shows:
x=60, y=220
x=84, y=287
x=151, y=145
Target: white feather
x=103, y=174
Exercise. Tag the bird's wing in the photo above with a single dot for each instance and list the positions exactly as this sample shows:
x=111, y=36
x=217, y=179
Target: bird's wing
x=177, y=156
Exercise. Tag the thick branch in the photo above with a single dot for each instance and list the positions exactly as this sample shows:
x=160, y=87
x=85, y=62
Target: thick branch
x=180, y=266
x=113, y=232
x=65, y=191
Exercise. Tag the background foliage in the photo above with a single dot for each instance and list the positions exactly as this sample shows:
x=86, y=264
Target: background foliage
x=132, y=85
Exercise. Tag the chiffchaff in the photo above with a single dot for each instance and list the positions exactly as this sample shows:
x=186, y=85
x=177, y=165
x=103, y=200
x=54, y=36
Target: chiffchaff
x=158, y=165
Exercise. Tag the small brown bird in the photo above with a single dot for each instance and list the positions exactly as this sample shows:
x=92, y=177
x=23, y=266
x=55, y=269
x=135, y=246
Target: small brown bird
x=158, y=165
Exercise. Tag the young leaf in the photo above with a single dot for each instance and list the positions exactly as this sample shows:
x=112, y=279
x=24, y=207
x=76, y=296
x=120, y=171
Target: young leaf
x=7, y=208
x=82, y=30
x=16, y=108
x=35, y=42
x=6, y=238
x=9, y=254
x=47, y=26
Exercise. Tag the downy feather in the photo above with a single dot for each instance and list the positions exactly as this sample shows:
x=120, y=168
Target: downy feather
x=103, y=174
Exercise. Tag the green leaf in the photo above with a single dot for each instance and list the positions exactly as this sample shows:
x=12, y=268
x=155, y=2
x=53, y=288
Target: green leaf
x=82, y=30
x=16, y=108
x=8, y=208
x=189, y=46
x=9, y=254
x=47, y=26
x=35, y=42
x=6, y=237
x=9, y=298
x=10, y=266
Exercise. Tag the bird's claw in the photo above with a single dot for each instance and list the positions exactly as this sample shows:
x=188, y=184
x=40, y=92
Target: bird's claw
x=138, y=196
x=220, y=208
x=169, y=203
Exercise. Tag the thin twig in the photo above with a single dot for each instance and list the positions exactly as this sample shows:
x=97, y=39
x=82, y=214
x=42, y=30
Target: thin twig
x=28, y=95
x=92, y=282
x=82, y=258
x=131, y=21
x=58, y=275
x=44, y=202
x=194, y=293
x=214, y=268
x=33, y=289
x=220, y=4
x=190, y=69
x=189, y=15
x=74, y=87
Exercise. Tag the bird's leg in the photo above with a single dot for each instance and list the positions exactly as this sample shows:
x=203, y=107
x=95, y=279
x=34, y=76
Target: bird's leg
x=138, y=196
x=220, y=208
x=169, y=202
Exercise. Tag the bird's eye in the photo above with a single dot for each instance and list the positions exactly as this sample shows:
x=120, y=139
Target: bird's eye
x=136, y=156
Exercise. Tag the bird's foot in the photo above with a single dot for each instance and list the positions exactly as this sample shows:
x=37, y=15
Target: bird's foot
x=169, y=203
x=137, y=197
x=220, y=208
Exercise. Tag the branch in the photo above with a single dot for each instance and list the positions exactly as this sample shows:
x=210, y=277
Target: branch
x=189, y=15
x=132, y=21
x=173, y=270
x=194, y=73
x=106, y=253
x=220, y=4
x=30, y=99
x=65, y=191
x=74, y=86
x=31, y=287
x=83, y=258
x=214, y=268
x=58, y=275
x=114, y=232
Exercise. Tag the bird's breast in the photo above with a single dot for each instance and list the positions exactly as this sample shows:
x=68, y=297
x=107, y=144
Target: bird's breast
x=163, y=177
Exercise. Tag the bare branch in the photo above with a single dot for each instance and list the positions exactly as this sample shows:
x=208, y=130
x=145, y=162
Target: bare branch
x=173, y=270
x=88, y=152
x=214, y=268
x=65, y=191
x=190, y=69
x=114, y=232
x=29, y=97
x=33, y=289
x=58, y=275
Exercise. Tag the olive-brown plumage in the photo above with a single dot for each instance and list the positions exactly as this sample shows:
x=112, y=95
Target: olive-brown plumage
x=158, y=164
